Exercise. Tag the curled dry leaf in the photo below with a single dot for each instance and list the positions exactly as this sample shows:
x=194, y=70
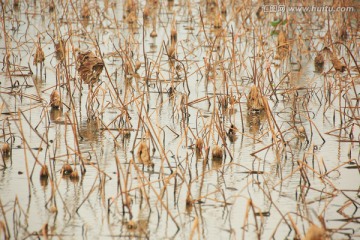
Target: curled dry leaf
x=44, y=172
x=319, y=61
x=39, y=55
x=89, y=67
x=217, y=152
x=85, y=11
x=338, y=65
x=60, y=50
x=254, y=101
x=5, y=150
x=315, y=233
x=143, y=154
x=66, y=169
x=55, y=99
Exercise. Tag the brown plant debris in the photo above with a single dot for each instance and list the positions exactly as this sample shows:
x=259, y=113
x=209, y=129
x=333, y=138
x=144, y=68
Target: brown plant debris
x=217, y=152
x=173, y=34
x=5, y=150
x=338, y=65
x=51, y=6
x=153, y=33
x=315, y=233
x=55, y=99
x=232, y=133
x=74, y=176
x=131, y=225
x=143, y=154
x=260, y=12
x=254, y=101
x=218, y=22
x=89, y=67
x=171, y=51
x=44, y=172
x=301, y=131
x=60, y=50
x=66, y=169
x=319, y=61
x=85, y=11
x=199, y=144
x=137, y=65
x=282, y=45
x=39, y=55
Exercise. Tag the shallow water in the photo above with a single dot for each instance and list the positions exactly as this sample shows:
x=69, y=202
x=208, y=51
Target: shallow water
x=227, y=195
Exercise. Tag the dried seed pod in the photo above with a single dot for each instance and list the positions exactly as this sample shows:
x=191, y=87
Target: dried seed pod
x=5, y=150
x=218, y=22
x=146, y=11
x=89, y=67
x=44, y=231
x=217, y=152
x=131, y=18
x=16, y=3
x=282, y=46
x=301, y=131
x=173, y=34
x=282, y=39
x=53, y=209
x=60, y=50
x=232, y=133
x=131, y=225
x=260, y=12
x=153, y=33
x=85, y=11
x=171, y=51
x=338, y=65
x=44, y=172
x=254, y=101
x=319, y=61
x=74, y=176
x=199, y=144
x=315, y=233
x=55, y=99
x=66, y=169
x=189, y=200
x=143, y=154
x=343, y=33
x=223, y=7
x=51, y=6
x=39, y=55
x=137, y=65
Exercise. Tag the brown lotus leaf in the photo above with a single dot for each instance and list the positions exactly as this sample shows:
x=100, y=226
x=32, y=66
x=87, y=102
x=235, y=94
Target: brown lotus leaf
x=89, y=67
x=85, y=11
x=319, y=61
x=55, y=99
x=217, y=152
x=315, y=233
x=254, y=101
x=39, y=55
x=60, y=50
x=338, y=65
x=143, y=154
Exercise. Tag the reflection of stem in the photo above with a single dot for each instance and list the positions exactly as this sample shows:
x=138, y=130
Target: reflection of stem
x=7, y=54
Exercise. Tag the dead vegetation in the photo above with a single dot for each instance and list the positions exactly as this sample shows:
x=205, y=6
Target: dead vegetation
x=201, y=120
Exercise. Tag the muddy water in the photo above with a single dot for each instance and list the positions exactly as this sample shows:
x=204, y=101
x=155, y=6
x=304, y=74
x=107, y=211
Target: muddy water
x=248, y=194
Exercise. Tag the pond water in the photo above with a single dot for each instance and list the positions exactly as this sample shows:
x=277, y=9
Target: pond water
x=293, y=164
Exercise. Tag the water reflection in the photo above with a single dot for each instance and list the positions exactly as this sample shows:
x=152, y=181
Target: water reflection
x=89, y=130
x=254, y=121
